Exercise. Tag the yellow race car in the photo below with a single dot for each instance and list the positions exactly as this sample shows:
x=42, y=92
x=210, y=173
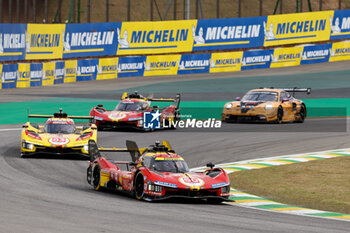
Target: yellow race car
x=58, y=136
x=267, y=105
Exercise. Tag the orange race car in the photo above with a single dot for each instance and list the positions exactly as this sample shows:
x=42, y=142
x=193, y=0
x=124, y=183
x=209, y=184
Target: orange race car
x=267, y=105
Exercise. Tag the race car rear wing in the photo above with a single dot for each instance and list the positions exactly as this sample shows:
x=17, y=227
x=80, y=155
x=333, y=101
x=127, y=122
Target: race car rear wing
x=60, y=114
x=135, y=95
x=293, y=90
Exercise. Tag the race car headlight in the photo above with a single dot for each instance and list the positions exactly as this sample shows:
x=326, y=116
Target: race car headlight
x=140, y=122
x=228, y=106
x=135, y=119
x=268, y=107
x=155, y=188
x=86, y=147
x=27, y=145
x=225, y=189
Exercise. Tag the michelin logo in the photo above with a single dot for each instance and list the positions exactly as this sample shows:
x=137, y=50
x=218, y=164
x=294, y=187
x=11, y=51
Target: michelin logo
x=85, y=70
x=192, y=63
x=151, y=120
x=313, y=54
x=256, y=59
x=12, y=41
x=336, y=28
x=77, y=39
x=129, y=66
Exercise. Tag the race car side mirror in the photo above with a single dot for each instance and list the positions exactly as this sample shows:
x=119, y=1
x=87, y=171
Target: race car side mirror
x=238, y=98
x=155, y=107
x=100, y=105
x=285, y=100
x=210, y=165
x=133, y=164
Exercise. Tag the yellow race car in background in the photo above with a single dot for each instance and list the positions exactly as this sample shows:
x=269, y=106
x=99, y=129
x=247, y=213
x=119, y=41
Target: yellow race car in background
x=58, y=136
x=267, y=105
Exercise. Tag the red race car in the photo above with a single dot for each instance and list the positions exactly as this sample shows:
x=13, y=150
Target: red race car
x=155, y=173
x=131, y=110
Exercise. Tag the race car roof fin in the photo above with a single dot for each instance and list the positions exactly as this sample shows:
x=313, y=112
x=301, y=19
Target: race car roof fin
x=133, y=150
x=167, y=144
x=124, y=96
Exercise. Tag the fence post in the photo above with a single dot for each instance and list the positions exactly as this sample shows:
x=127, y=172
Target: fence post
x=260, y=7
x=88, y=11
x=128, y=9
x=320, y=5
x=17, y=11
x=239, y=8
x=339, y=4
x=10, y=11
x=175, y=9
x=1, y=11
x=107, y=10
x=281, y=6
x=45, y=11
x=217, y=8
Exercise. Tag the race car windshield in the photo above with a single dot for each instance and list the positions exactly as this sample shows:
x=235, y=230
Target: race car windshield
x=129, y=106
x=175, y=166
x=60, y=128
x=260, y=96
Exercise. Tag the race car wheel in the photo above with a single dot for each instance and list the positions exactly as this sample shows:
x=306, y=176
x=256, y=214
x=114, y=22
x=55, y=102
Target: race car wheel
x=302, y=114
x=96, y=177
x=139, y=189
x=279, y=115
x=89, y=174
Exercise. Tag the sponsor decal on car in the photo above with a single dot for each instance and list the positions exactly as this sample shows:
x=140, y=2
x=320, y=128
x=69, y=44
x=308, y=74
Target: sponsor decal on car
x=117, y=115
x=191, y=181
x=59, y=141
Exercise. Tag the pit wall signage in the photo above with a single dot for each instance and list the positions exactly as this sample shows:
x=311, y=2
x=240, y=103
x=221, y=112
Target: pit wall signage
x=57, y=41
x=24, y=75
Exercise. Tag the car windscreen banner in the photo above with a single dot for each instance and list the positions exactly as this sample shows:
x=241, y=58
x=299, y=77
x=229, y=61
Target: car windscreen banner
x=221, y=34
x=90, y=39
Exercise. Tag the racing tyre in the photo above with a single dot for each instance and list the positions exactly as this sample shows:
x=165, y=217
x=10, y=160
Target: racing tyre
x=279, y=115
x=139, y=187
x=96, y=177
x=89, y=174
x=302, y=114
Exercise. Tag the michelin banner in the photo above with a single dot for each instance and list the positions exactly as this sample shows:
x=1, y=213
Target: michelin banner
x=56, y=41
x=23, y=75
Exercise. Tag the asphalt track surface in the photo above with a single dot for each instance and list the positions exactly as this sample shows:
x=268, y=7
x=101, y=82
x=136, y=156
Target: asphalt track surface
x=52, y=195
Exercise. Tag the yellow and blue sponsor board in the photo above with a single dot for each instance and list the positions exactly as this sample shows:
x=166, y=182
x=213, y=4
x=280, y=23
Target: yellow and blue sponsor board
x=12, y=42
x=340, y=25
x=36, y=74
x=155, y=37
x=48, y=73
x=297, y=28
x=60, y=72
x=87, y=69
x=70, y=71
x=315, y=53
x=161, y=65
x=286, y=57
x=216, y=34
x=107, y=68
x=225, y=62
x=257, y=59
x=131, y=66
x=9, y=76
x=44, y=41
x=340, y=51
x=23, y=79
x=90, y=39
x=194, y=63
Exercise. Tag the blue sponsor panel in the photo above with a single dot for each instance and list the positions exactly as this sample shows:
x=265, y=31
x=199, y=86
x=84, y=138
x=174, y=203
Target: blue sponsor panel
x=90, y=39
x=316, y=53
x=194, y=63
x=36, y=74
x=256, y=59
x=9, y=76
x=59, y=72
x=12, y=42
x=220, y=34
x=131, y=66
x=87, y=70
x=340, y=25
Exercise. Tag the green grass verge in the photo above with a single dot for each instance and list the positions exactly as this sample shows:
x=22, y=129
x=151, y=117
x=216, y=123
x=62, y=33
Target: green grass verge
x=320, y=184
